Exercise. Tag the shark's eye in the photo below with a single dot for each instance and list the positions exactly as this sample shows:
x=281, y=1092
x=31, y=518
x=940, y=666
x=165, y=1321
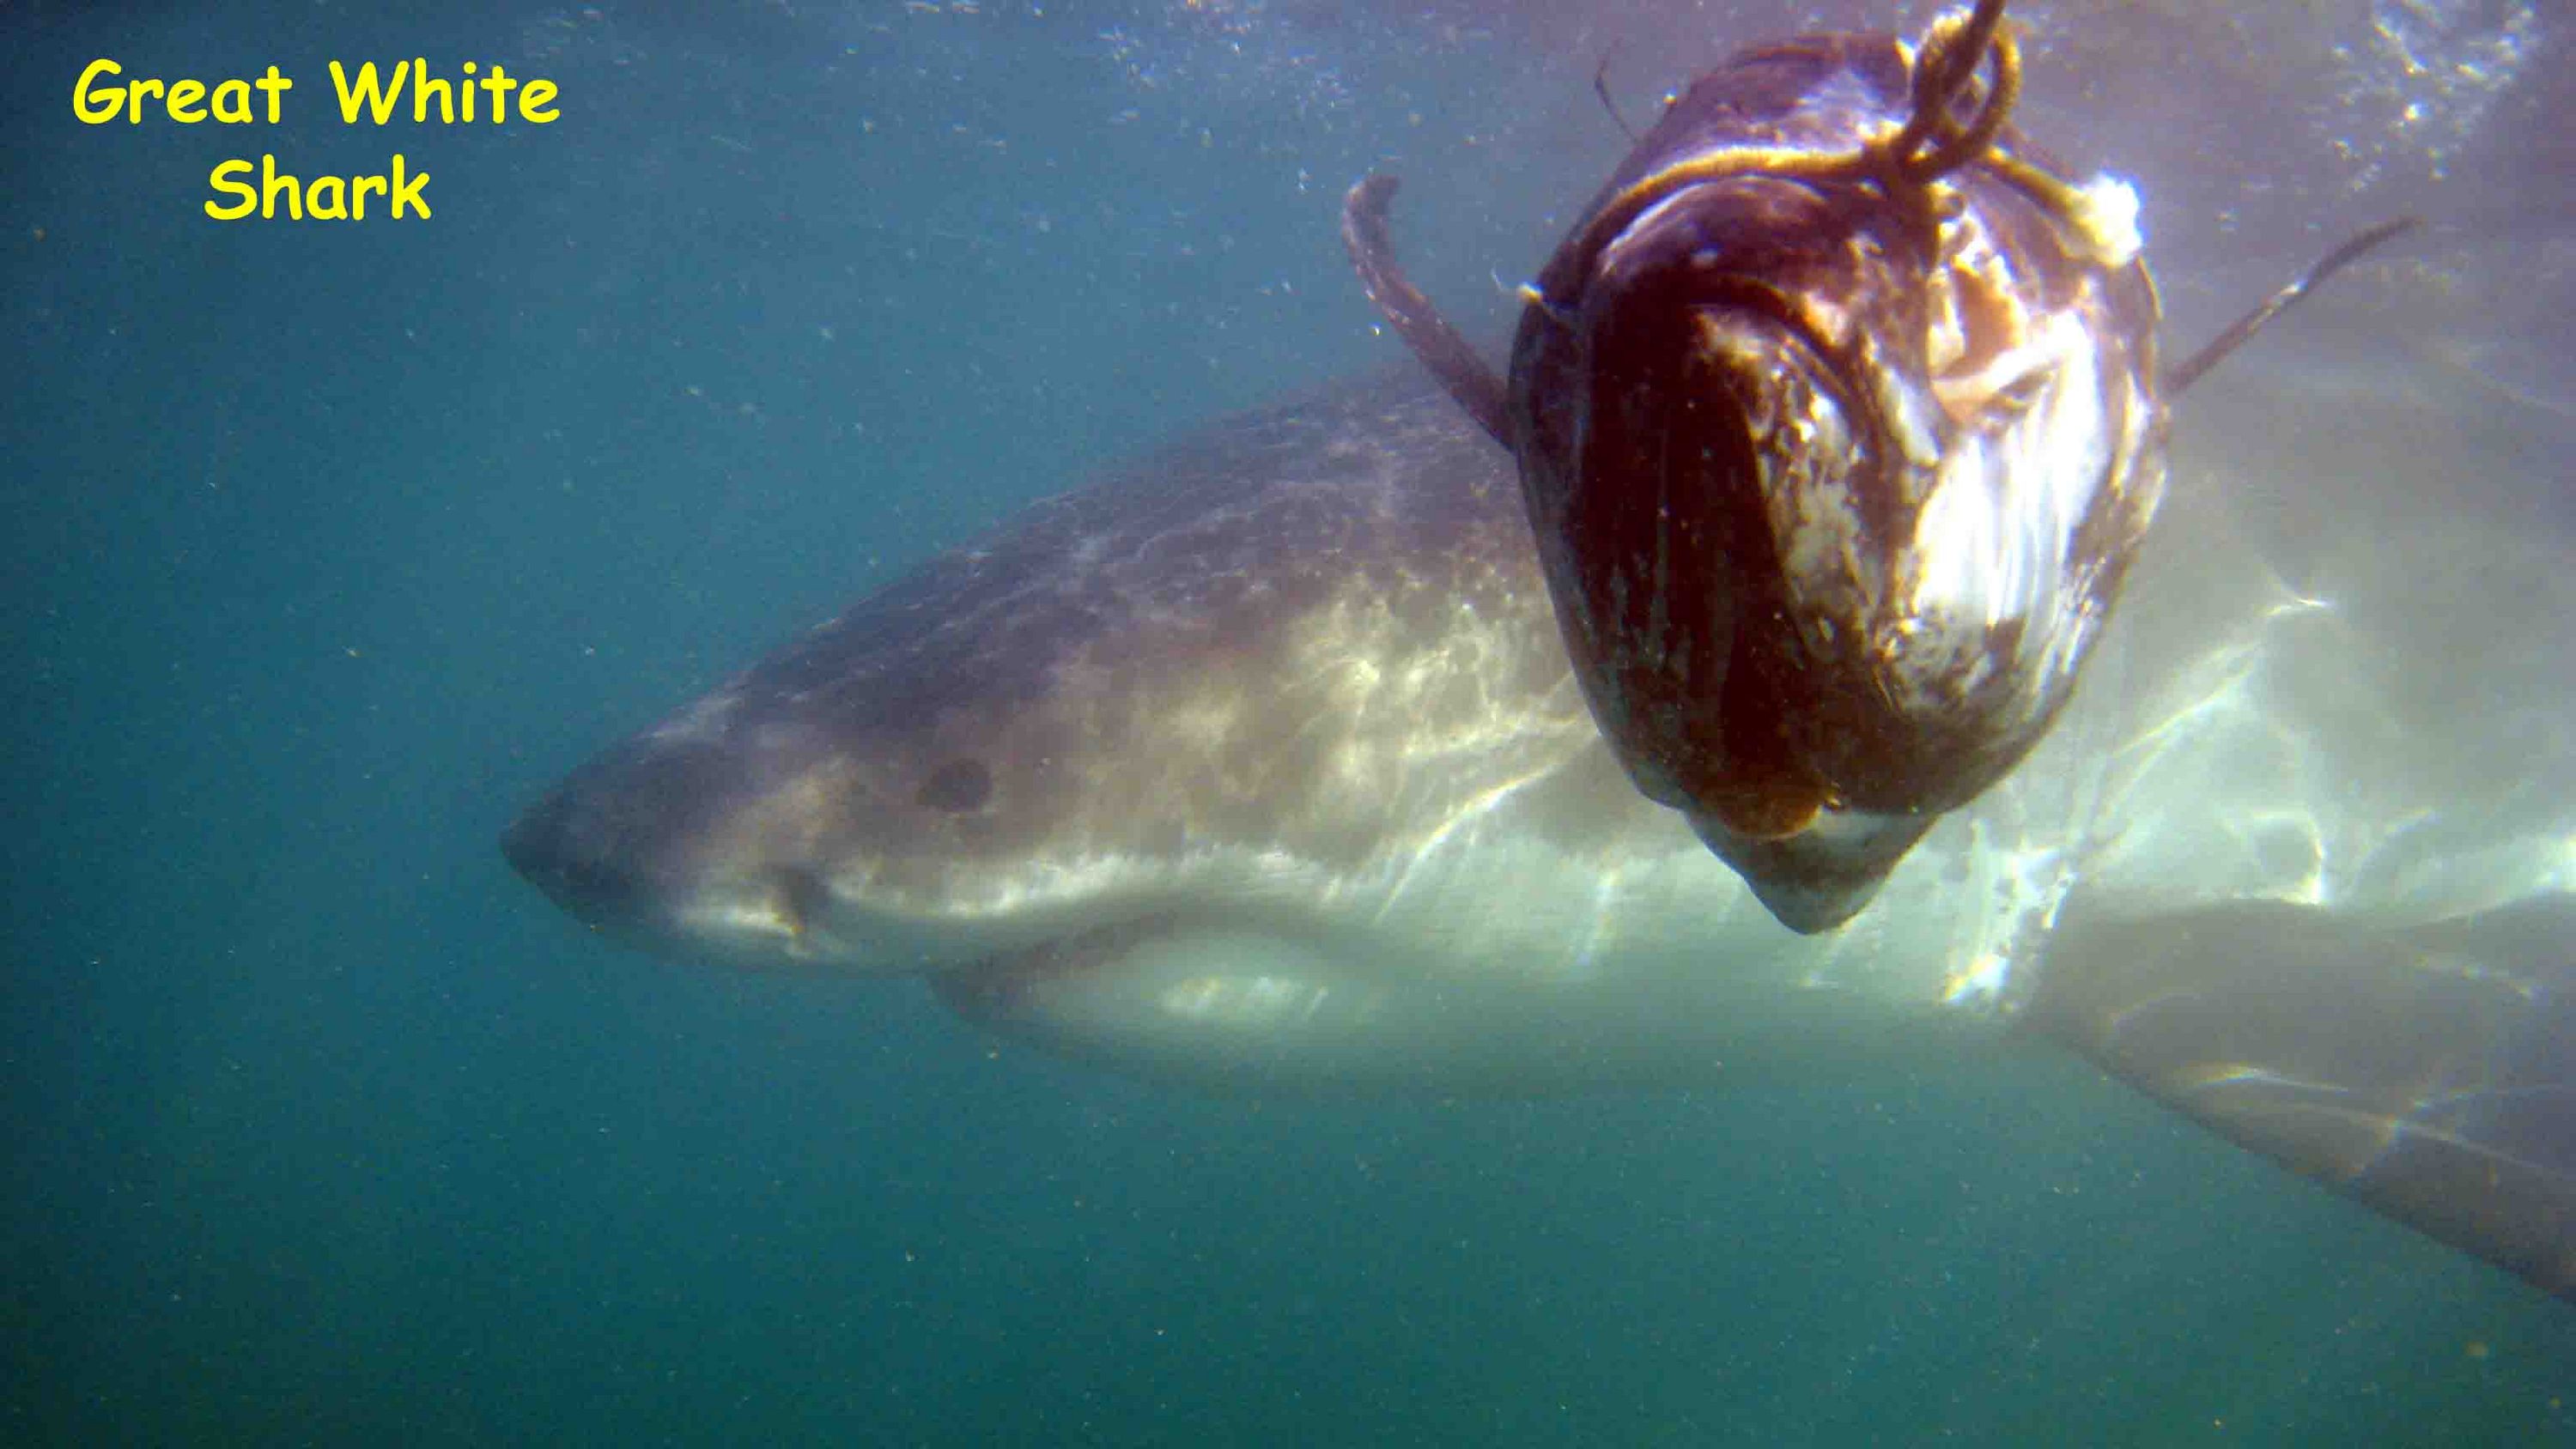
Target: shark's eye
x=958, y=787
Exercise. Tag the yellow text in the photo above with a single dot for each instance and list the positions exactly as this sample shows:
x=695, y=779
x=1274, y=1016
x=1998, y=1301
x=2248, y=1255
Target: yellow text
x=324, y=198
x=184, y=101
x=374, y=99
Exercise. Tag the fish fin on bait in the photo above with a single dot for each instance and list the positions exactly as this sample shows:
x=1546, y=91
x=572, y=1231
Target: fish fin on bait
x=2188, y=371
x=1452, y=359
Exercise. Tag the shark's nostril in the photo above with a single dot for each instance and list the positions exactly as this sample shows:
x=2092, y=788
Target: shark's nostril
x=802, y=897
x=621, y=841
x=958, y=787
x=551, y=847
x=541, y=844
x=528, y=843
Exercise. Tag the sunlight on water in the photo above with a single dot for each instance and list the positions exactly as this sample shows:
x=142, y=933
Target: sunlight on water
x=2425, y=78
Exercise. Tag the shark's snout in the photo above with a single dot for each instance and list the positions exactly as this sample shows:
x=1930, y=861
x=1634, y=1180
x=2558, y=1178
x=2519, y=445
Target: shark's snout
x=617, y=843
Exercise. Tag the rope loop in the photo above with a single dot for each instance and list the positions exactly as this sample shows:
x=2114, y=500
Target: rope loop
x=1931, y=144
x=1934, y=142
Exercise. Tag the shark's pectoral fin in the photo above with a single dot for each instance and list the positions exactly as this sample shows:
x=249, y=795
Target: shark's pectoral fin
x=1225, y=1006
x=2428, y=1071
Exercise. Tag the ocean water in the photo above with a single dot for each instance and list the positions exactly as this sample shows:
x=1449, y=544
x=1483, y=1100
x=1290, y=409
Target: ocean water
x=330, y=545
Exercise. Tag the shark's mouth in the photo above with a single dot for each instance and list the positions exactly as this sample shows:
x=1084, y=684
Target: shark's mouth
x=1002, y=989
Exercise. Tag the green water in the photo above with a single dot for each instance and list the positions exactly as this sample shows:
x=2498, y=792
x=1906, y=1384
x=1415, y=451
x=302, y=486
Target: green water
x=330, y=545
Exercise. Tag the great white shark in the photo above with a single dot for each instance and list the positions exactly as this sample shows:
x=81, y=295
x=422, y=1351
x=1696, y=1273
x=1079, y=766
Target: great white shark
x=1260, y=765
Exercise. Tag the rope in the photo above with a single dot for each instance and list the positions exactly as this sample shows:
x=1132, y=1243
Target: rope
x=1930, y=145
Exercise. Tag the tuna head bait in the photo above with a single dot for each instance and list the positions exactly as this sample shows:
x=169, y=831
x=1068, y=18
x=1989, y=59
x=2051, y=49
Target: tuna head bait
x=1839, y=424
